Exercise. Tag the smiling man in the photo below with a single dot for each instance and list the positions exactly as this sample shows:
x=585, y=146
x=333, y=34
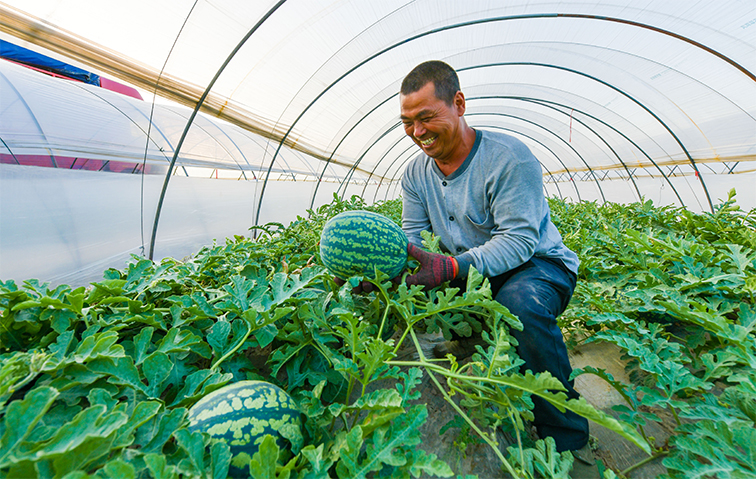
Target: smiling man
x=481, y=193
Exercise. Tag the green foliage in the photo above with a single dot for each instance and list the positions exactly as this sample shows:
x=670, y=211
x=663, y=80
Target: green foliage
x=96, y=381
x=674, y=290
x=542, y=461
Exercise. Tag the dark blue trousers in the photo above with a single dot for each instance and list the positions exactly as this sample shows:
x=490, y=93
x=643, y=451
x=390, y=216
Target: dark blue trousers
x=537, y=292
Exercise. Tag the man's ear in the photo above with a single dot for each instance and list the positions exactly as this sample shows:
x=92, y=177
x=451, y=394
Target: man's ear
x=459, y=103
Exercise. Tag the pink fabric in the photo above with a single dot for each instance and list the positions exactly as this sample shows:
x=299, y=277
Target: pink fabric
x=120, y=88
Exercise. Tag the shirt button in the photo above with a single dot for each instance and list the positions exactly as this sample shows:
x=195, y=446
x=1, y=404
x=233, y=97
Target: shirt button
x=451, y=218
x=443, y=183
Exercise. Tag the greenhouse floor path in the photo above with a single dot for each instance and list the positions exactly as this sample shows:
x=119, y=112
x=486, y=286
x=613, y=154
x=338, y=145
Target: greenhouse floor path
x=468, y=456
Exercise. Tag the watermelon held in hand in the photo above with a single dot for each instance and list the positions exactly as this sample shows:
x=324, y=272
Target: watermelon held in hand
x=359, y=242
x=241, y=414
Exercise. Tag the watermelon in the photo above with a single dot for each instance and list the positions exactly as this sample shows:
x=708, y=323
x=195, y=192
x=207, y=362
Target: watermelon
x=241, y=414
x=359, y=242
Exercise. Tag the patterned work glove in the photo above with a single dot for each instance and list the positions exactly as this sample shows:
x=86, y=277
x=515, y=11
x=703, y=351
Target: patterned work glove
x=435, y=268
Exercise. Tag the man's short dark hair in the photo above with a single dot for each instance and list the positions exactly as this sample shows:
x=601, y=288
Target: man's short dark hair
x=444, y=78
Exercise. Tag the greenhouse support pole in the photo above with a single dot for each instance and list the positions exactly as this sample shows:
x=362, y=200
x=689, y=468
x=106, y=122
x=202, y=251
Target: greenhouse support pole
x=194, y=114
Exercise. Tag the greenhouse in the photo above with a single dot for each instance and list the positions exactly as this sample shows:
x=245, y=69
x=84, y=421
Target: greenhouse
x=169, y=171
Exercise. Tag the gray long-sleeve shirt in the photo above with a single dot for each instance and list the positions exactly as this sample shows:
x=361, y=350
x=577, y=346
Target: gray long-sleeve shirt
x=490, y=213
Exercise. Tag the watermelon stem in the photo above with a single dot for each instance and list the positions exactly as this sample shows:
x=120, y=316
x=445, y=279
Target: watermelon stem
x=429, y=367
x=385, y=313
x=232, y=350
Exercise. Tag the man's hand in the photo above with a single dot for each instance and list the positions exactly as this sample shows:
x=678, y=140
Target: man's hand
x=435, y=269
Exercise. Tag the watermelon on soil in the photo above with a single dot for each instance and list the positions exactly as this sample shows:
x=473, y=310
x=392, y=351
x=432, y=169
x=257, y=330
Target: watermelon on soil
x=241, y=414
x=359, y=242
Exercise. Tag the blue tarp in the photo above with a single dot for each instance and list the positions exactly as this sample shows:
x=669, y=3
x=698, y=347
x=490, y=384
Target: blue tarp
x=18, y=54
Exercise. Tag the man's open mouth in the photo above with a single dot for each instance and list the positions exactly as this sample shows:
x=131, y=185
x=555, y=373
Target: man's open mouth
x=428, y=141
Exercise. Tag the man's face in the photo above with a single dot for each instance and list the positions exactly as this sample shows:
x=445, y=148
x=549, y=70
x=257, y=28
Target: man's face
x=431, y=123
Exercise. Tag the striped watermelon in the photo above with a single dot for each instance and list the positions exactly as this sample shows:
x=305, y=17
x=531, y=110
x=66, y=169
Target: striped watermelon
x=241, y=414
x=359, y=242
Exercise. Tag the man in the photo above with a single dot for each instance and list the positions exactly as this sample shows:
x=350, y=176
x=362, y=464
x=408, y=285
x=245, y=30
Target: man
x=481, y=193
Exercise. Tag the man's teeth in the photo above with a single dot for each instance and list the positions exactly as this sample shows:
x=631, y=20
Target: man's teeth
x=428, y=141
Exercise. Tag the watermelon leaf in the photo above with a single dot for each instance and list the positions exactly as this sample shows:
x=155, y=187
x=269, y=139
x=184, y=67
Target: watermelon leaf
x=263, y=463
x=156, y=367
x=158, y=466
x=319, y=466
x=543, y=460
x=21, y=417
x=220, y=455
x=156, y=432
x=193, y=444
x=119, y=469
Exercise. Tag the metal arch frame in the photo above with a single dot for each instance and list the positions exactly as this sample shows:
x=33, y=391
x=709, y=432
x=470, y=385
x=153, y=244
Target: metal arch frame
x=356, y=163
x=301, y=156
x=330, y=157
x=545, y=103
x=364, y=188
x=32, y=115
x=630, y=97
x=683, y=38
x=520, y=133
x=517, y=17
x=486, y=126
x=354, y=166
x=551, y=175
x=149, y=137
x=227, y=150
x=52, y=156
x=556, y=183
x=626, y=95
x=254, y=140
x=629, y=174
x=42, y=132
x=9, y=150
x=542, y=103
x=194, y=114
x=598, y=185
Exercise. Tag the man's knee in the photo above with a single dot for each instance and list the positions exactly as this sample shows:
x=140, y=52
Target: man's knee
x=523, y=300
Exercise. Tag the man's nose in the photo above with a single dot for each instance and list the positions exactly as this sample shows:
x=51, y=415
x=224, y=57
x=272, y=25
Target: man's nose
x=419, y=129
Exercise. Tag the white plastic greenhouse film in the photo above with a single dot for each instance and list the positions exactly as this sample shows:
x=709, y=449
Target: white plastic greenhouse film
x=660, y=192
x=68, y=226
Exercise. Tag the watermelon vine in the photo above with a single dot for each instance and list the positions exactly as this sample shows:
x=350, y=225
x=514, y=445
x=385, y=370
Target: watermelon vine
x=97, y=381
